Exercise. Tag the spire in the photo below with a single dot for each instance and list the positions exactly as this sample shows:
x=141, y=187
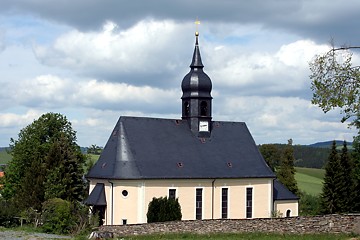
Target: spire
x=196, y=60
x=196, y=99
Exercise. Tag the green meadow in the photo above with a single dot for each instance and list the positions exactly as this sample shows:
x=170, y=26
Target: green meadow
x=310, y=180
x=4, y=157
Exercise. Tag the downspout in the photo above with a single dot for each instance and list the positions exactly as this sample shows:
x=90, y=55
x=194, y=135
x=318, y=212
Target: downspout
x=112, y=202
x=212, y=198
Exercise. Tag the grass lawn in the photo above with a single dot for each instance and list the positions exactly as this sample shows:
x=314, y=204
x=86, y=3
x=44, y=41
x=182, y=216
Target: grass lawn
x=94, y=157
x=241, y=236
x=4, y=157
x=310, y=180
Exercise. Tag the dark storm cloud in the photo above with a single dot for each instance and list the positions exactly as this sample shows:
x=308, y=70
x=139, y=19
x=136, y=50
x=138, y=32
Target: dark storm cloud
x=319, y=20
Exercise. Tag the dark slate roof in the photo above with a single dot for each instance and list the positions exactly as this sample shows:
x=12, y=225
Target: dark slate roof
x=153, y=148
x=97, y=196
x=282, y=193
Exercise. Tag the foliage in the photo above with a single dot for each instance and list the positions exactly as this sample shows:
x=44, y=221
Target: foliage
x=31, y=215
x=310, y=157
x=46, y=163
x=276, y=214
x=348, y=179
x=305, y=156
x=309, y=204
x=336, y=82
x=57, y=216
x=271, y=154
x=163, y=209
x=63, y=217
x=331, y=197
x=356, y=169
x=8, y=212
x=286, y=171
x=94, y=149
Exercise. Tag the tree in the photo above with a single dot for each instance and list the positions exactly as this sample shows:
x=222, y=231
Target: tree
x=286, y=172
x=94, y=149
x=336, y=82
x=356, y=169
x=46, y=163
x=163, y=209
x=331, y=197
x=271, y=154
x=347, y=190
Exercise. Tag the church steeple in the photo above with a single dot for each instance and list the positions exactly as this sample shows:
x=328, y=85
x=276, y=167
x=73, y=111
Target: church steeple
x=196, y=98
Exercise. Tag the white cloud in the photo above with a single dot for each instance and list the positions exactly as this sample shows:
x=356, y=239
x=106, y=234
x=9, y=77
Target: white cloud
x=12, y=120
x=113, y=49
x=55, y=92
x=264, y=72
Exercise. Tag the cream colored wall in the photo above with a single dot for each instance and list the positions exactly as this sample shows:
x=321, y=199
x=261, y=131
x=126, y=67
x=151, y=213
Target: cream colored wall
x=133, y=208
x=284, y=205
x=262, y=197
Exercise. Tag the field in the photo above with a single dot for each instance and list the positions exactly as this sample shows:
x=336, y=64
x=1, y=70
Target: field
x=310, y=180
x=4, y=157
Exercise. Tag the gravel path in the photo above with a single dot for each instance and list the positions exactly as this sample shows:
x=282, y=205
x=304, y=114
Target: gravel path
x=18, y=235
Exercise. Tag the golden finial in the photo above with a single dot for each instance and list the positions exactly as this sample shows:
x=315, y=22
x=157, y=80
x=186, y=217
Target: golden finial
x=197, y=22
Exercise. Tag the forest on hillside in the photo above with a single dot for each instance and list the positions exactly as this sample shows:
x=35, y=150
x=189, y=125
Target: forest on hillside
x=310, y=156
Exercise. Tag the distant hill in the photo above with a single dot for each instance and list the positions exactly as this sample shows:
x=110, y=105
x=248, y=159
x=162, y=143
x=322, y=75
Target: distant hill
x=328, y=144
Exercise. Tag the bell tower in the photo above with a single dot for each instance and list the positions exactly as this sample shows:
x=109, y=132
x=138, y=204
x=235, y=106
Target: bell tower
x=196, y=99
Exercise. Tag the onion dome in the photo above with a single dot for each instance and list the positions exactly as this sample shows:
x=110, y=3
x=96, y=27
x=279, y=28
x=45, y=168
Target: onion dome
x=196, y=83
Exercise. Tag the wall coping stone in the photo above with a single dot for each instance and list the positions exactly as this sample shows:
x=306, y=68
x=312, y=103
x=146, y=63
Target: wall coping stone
x=335, y=223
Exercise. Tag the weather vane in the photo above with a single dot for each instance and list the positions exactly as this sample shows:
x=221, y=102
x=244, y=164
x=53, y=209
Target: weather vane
x=197, y=22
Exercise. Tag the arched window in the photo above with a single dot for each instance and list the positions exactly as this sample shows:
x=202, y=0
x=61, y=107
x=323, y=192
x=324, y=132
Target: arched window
x=203, y=108
x=186, y=108
x=288, y=213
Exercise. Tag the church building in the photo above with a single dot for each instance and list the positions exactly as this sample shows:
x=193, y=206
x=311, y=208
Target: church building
x=214, y=168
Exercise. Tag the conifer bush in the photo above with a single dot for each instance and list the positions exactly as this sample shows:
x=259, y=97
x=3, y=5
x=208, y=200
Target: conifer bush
x=57, y=216
x=163, y=209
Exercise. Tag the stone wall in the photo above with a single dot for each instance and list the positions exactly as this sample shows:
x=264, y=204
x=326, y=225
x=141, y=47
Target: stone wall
x=301, y=225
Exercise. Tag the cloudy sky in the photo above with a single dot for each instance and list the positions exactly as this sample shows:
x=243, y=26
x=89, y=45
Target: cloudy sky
x=94, y=61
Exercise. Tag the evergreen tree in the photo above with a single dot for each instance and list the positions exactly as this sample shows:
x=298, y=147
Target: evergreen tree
x=286, y=172
x=347, y=186
x=46, y=163
x=332, y=194
x=164, y=209
x=271, y=154
x=356, y=169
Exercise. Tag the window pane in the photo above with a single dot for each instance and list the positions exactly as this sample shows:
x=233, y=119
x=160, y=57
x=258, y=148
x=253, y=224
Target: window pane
x=224, y=203
x=249, y=202
x=198, y=203
x=172, y=194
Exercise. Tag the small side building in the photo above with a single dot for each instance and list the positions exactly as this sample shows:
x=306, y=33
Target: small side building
x=213, y=167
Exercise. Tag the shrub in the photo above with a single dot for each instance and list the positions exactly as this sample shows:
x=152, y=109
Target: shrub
x=309, y=204
x=163, y=209
x=8, y=214
x=57, y=216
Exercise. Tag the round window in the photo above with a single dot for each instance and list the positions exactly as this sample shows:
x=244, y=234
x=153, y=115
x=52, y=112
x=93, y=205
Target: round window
x=124, y=193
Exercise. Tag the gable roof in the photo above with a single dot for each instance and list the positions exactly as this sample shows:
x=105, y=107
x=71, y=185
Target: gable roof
x=154, y=148
x=282, y=193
